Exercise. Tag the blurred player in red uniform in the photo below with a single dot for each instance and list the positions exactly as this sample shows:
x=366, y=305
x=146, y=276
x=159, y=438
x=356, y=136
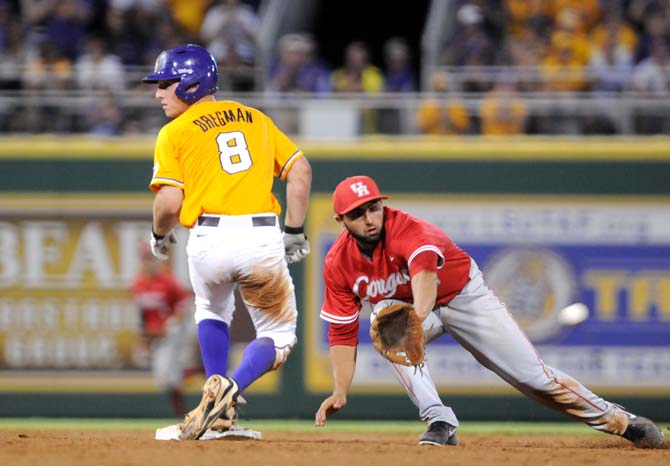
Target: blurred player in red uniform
x=160, y=299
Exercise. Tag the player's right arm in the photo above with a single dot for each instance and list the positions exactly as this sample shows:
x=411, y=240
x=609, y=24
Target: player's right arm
x=340, y=309
x=343, y=361
x=167, y=182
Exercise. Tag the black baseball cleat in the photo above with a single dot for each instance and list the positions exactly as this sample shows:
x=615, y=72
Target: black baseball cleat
x=439, y=433
x=644, y=433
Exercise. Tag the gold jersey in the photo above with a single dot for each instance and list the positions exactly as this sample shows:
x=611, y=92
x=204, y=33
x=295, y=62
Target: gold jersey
x=224, y=156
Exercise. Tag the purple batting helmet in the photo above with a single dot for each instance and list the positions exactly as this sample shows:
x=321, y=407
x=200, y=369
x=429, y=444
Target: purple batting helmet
x=192, y=65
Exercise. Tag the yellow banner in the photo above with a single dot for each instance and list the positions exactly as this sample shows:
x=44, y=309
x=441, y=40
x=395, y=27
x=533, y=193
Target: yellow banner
x=66, y=311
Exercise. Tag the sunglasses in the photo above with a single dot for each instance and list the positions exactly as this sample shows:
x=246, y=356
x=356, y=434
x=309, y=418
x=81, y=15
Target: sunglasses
x=370, y=207
x=167, y=83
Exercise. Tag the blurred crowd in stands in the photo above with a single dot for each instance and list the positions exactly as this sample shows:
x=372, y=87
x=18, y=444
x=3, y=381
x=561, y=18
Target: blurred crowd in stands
x=49, y=46
x=563, y=47
x=499, y=56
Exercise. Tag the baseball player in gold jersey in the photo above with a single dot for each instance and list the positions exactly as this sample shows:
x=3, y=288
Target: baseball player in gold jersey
x=214, y=165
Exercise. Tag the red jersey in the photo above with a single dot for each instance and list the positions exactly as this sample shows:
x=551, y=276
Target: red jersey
x=410, y=246
x=158, y=297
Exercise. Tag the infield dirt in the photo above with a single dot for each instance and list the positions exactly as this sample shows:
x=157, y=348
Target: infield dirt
x=35, y=447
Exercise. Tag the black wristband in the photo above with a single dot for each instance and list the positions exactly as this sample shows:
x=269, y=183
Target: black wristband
x=294, y=230
x=157, y=237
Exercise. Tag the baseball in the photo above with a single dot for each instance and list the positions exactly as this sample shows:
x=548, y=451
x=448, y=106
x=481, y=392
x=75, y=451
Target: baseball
x=573, y=314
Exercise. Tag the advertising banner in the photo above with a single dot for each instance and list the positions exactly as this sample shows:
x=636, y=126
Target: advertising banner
x=67, y=318
x=540, y=255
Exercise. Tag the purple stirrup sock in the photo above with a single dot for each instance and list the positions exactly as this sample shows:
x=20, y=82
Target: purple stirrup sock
x=214, y=346
x=258, y=358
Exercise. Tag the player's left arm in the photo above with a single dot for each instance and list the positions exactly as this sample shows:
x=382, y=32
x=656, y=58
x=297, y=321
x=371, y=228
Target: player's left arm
x=424, y=292
x=298, y=186
x=424, y=258
x=291, y=166
x=423, y=265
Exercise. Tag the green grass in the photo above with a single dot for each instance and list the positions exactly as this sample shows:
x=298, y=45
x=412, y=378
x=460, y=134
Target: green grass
x=511, y=428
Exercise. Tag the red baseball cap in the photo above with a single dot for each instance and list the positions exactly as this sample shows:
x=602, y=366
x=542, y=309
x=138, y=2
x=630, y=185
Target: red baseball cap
x=353, y=192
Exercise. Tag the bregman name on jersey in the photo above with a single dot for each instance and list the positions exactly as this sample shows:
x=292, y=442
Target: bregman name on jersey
x=222, y=118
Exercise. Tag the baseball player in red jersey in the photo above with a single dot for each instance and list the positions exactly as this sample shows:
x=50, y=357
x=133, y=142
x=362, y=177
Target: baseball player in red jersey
x=385, y=254
x=160, y=300
x=214, y=166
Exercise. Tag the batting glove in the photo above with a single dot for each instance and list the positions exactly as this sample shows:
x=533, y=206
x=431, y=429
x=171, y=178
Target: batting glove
x=160, y=245
x=295, y=244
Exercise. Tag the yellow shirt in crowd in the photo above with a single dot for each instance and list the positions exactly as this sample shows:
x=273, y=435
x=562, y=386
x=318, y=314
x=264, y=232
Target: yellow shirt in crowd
x=448, y=117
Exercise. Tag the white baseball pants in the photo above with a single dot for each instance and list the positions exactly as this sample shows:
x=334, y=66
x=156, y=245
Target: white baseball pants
x=245, y=251
x=482, y=325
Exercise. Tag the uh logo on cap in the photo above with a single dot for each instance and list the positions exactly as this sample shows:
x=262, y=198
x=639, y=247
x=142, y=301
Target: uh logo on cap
x=360, y=189
x=354, y=191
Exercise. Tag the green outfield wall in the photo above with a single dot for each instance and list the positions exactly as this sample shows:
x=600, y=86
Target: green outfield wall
x=623, y=170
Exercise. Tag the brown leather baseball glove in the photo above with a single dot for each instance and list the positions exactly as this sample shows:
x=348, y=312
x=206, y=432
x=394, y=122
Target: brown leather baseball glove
x=397, y=334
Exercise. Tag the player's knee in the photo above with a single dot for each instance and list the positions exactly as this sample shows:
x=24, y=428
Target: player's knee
x=224, y=316
x=540, y=381
x=281, y=356
x=283, y=343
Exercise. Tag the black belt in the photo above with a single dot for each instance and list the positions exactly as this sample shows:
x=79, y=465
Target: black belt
x=260, y=221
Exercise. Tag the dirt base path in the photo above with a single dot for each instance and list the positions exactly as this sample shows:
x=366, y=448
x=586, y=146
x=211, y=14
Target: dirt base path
x=320, y=448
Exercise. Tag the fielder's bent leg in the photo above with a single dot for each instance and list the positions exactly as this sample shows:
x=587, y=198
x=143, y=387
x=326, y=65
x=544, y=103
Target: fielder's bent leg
x=483, y=326
x=423, y=393
x=442, y=421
